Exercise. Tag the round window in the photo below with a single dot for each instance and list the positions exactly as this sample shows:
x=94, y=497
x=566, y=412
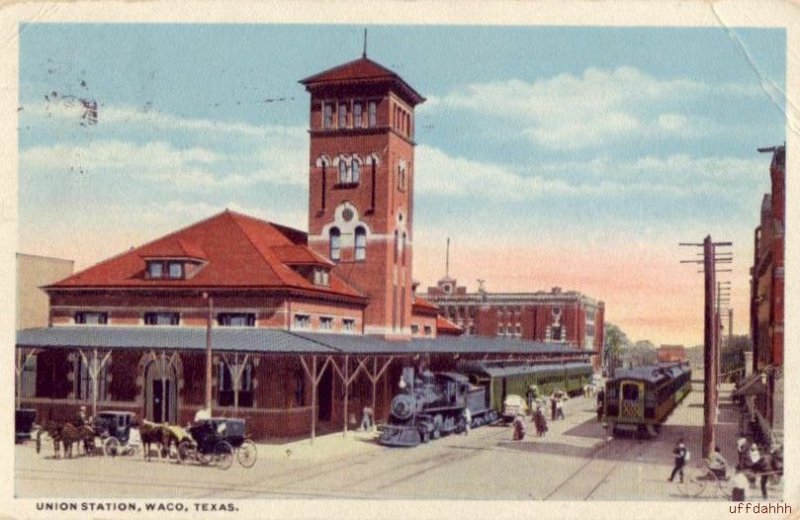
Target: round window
x=348, y=214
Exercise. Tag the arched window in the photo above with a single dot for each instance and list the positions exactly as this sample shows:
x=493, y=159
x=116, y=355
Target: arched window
x=357, y=115
x=343, y=177
x=342, y=116
x=356, y=171
x=336, y=244
x=361, y=243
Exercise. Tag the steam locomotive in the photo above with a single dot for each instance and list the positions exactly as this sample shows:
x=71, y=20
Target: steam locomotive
x=434, y=404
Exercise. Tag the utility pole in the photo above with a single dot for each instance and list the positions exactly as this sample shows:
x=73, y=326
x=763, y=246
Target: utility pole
x=710, y=335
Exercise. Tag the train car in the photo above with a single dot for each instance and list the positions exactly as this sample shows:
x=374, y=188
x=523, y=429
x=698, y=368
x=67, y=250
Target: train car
x=432, y=405
x=640, y=399
x=506, y=378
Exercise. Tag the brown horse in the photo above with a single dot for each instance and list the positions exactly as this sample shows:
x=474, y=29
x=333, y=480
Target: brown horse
x=153, y=433
x=53, y=430
x=66, y=434
x=71, y=434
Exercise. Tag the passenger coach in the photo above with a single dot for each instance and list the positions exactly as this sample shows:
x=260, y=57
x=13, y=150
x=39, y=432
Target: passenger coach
x=640, y=399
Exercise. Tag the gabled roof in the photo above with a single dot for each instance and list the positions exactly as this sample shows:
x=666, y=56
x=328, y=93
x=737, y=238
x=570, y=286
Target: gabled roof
x=362, y=70
x=238, y=251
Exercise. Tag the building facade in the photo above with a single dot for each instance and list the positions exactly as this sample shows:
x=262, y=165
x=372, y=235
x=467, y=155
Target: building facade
x=556, y=316
x=767, y=283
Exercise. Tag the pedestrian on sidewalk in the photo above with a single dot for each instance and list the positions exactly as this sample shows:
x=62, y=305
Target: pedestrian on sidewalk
x=758, y=464
x=467, y=420
x=601, y=399
x=519, y=428
x=367, y=419
x=553, y=406
x=540, y=421
x=560, y=409
x=680, y=452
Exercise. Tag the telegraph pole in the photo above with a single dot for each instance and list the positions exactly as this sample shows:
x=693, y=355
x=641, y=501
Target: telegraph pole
x=710, y=335
x=209, y=357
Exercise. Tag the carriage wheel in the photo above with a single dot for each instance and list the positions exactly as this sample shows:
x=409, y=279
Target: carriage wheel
x=246, y=454
x=184, y=450
x=111, y=447
x=223, y=453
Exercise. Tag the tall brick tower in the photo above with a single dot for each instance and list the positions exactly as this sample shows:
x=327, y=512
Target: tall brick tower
x=361, y=181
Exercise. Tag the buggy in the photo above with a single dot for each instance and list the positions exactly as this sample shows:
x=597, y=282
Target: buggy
x=215, y=441
x=116, y=433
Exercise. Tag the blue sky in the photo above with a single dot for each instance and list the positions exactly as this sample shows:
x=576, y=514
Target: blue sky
x=569, y=149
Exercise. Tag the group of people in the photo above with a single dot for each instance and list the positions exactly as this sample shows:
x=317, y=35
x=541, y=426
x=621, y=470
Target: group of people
x=751, y=463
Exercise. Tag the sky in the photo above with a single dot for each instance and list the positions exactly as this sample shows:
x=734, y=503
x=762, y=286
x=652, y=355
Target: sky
x=576, y=157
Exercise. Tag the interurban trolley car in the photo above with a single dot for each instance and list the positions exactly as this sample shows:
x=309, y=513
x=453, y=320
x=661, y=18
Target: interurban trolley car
x=640, y=399
x=434, y=404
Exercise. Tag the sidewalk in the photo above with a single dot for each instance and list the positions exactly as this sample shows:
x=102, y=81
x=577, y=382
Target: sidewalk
x=328, y=446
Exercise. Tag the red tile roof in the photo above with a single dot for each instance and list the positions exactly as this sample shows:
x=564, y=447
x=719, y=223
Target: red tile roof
x=424, y=305
x=238, y=251
x=445, y=326
x=176, y=248
x=362, y=70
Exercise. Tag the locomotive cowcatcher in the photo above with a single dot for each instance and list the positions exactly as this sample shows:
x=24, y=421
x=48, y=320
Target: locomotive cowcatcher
x=431, y=405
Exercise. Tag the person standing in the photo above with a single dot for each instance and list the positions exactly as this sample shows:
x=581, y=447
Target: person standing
x=367, y=419
x=601, y=398
x=680, y=459
x=559, y=409
x=553, y=407
x=467, y=420
x=759, y=465
x=717, y=463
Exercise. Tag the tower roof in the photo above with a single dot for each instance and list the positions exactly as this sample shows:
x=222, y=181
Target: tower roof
x=362, y=70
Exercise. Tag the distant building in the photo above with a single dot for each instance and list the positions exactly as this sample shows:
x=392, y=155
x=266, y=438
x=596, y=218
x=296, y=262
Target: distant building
x=33, y=273
x=671, y=353
x=766, y=284
x=556, y=316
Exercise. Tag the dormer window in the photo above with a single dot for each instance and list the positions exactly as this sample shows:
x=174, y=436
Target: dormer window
x=155, y=269
x=167, y=269
x=321, y=276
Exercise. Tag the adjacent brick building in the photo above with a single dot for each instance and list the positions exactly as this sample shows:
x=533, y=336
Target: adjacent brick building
x=767, y=283
x=555, y=316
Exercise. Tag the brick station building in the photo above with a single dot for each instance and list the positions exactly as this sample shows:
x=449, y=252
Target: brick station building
x=305, y=328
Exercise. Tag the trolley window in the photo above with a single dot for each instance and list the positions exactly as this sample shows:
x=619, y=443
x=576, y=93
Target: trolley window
x=630, y=392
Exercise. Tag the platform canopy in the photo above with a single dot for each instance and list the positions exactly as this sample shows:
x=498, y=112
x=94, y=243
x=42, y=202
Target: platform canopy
x=274, y=341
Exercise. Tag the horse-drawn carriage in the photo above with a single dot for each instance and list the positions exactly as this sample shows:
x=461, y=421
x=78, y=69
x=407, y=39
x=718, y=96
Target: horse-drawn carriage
x=116, y=433
x=216, y=441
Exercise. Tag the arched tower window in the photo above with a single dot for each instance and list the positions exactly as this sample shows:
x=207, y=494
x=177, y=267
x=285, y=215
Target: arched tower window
x=336, y=244
x=361, y=243
x=356, y=171
x=343, y=177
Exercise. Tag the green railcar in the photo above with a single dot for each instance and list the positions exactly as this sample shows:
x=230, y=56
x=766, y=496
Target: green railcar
x=507, y=378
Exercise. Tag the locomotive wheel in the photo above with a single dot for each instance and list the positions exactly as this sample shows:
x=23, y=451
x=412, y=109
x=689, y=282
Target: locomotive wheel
x=111, y=447
x=246, y=454
x=184, y=450
x=223, y=453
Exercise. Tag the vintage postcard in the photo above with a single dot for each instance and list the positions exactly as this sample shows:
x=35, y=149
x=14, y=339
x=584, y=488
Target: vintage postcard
x=300, y=260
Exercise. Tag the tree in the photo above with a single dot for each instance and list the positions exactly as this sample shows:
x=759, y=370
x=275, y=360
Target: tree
x=643, y=352
x=615, y=342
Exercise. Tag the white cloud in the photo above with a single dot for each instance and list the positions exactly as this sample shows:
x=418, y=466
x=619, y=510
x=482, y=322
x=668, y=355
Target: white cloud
x=679, y=175
x=600, y=107
x=192, y=168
